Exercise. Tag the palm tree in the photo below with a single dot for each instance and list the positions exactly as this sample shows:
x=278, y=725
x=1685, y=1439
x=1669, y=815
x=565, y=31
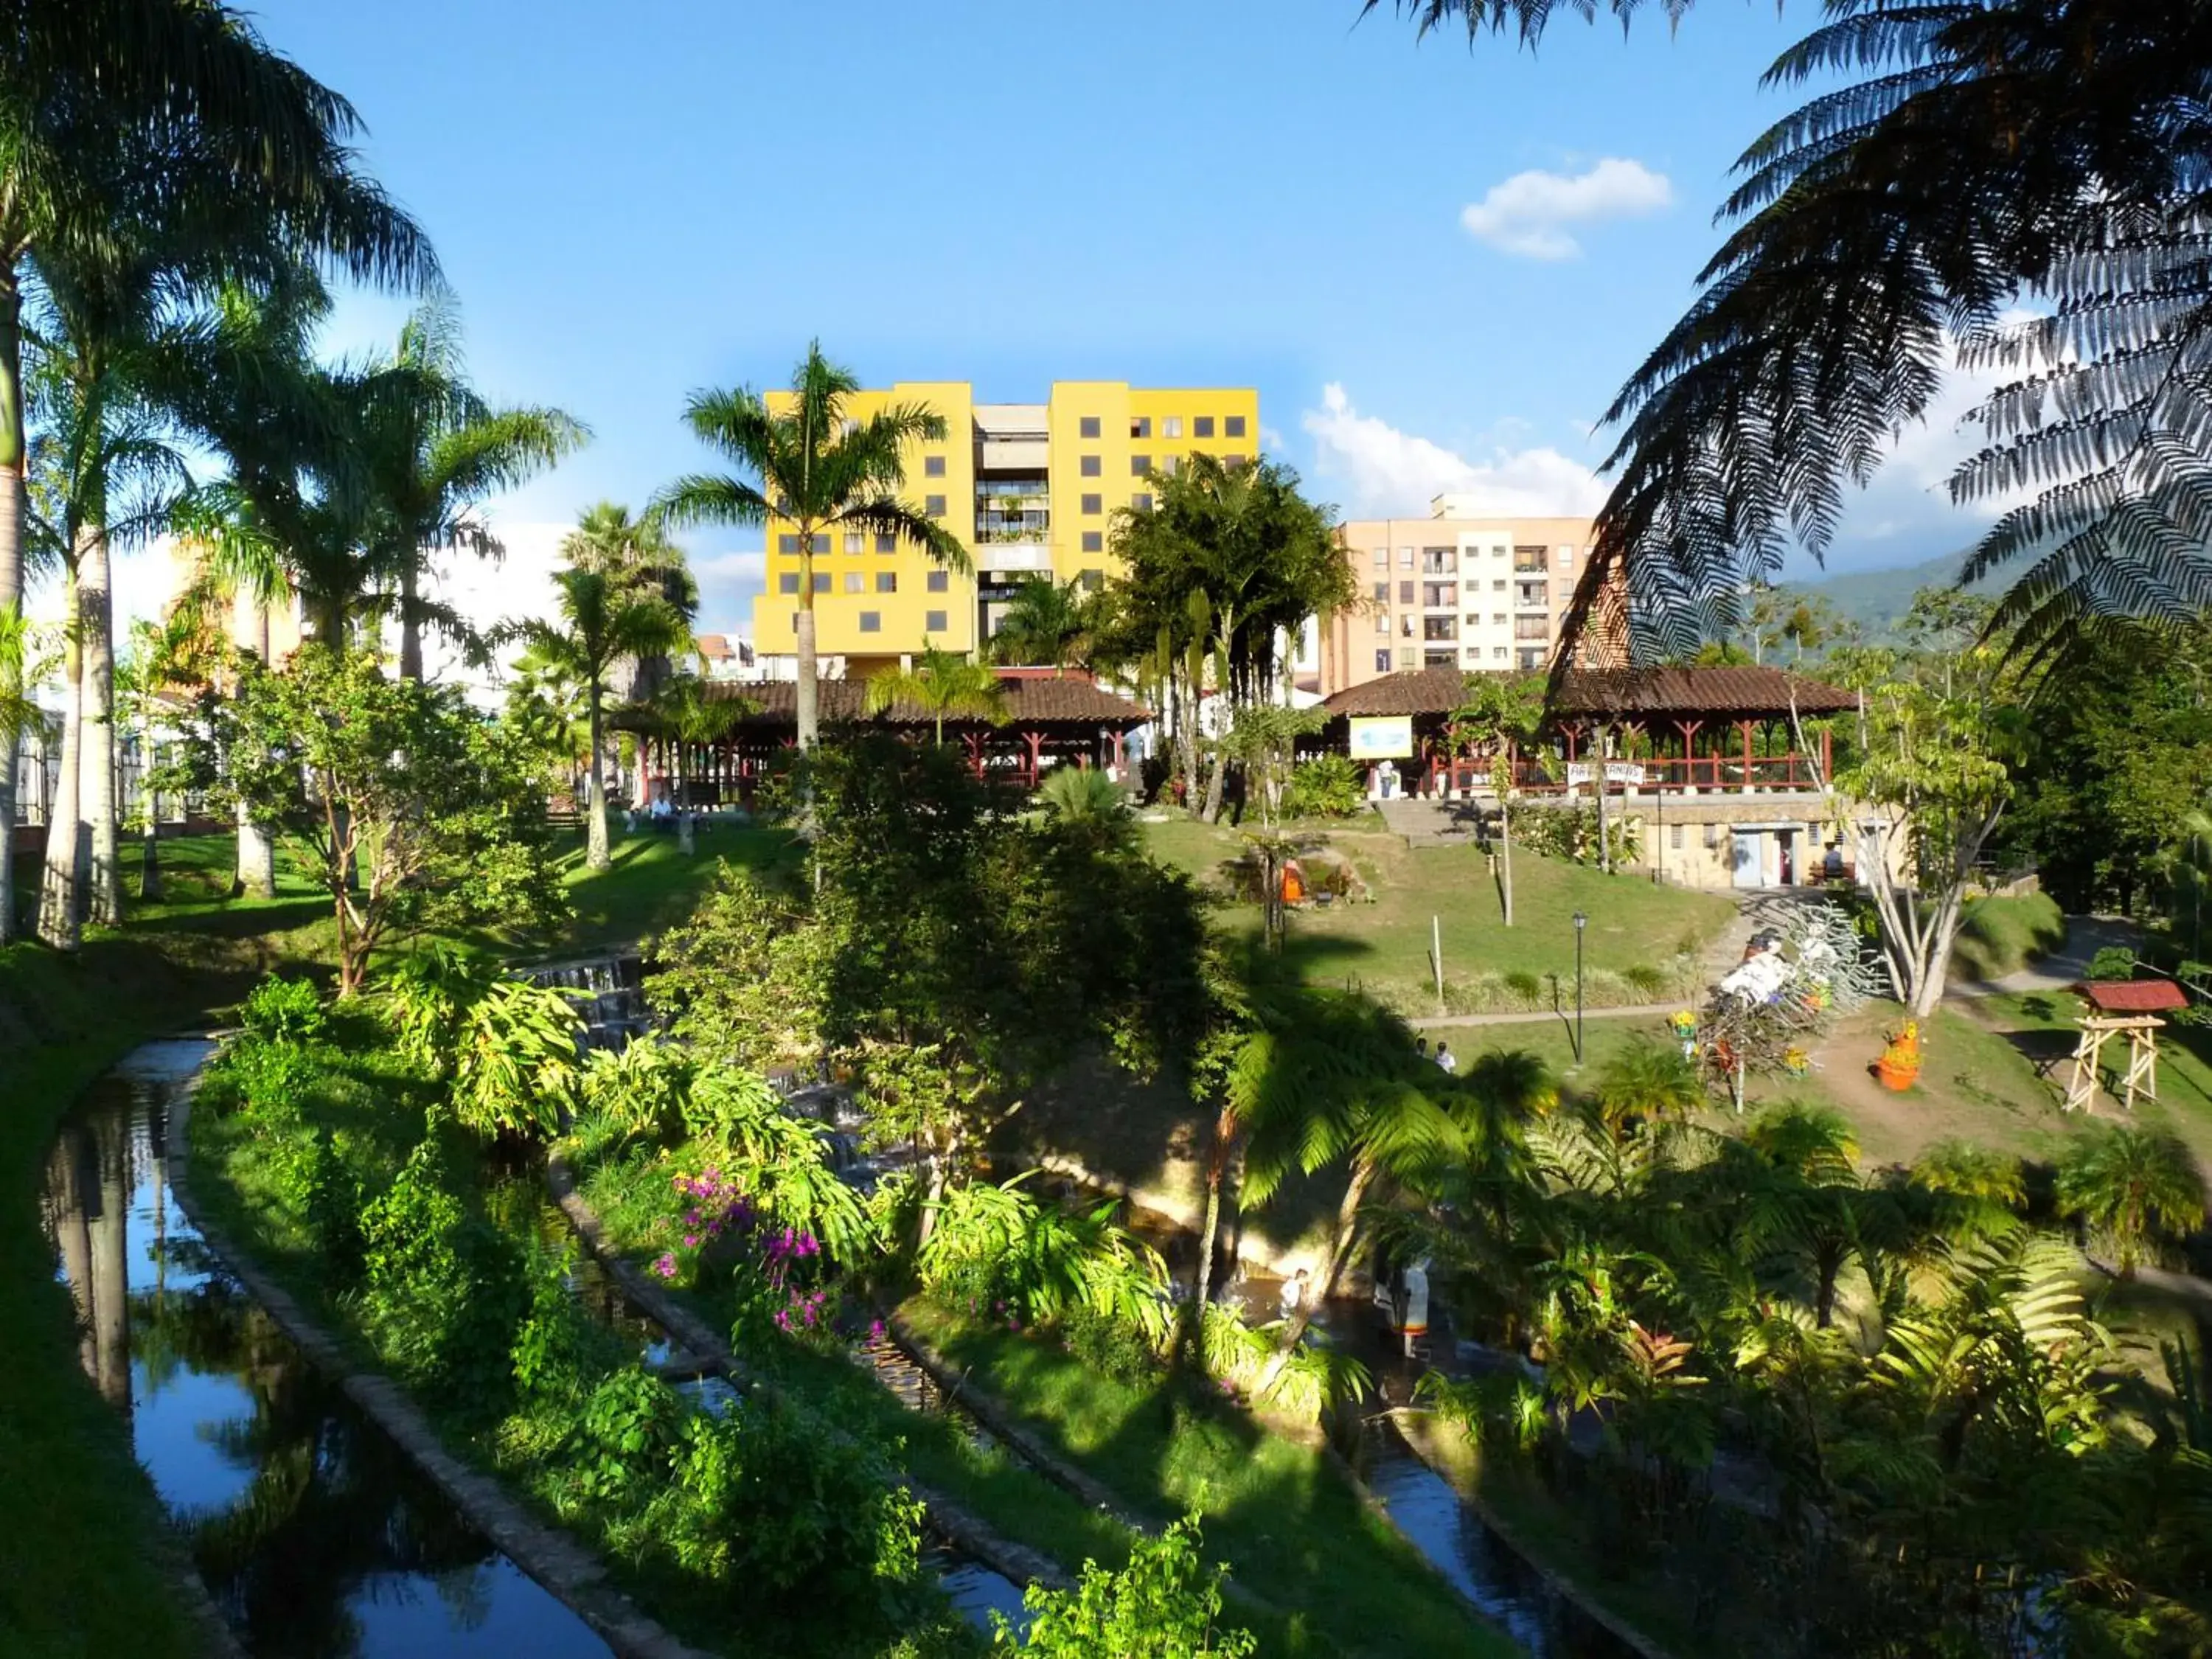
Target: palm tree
x=685, y=712
x=1045, y=622
x=636, y=551
x=819, y=473
x=942, y=683
x=2131, y=1186
x=2008, y=185
x=1504, y=712
x=602, y=621
x=161, y=85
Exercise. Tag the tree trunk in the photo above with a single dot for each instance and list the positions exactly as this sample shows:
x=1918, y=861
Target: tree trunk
x=62, y=879
x=12, y=506
x=1505, y=841
x=150, y=834
x=596, y=855
x=1604, y=841
x=687, y=841
x=96, y=763
x=1209, y=1230
x=256, y=848
x=411, y=625
x=805, y=696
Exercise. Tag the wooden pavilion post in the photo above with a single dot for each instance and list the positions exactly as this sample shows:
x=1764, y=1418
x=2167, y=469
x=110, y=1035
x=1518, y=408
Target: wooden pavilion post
x=1745, y=727
x=1689, y=731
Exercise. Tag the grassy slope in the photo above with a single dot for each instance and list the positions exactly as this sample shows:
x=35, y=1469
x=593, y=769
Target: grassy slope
x=2002, y=936
x=1291, y=1529
x=1384, y=945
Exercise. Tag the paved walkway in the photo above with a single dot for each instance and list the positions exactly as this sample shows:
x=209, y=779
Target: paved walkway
x=2085, y=937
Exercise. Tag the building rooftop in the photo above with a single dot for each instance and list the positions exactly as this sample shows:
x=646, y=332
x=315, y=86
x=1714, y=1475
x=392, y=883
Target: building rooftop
x=1684, y=692
x=1031, y=700
x=2131, y=996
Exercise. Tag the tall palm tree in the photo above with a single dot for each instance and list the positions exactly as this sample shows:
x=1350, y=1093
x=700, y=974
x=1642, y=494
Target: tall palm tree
x=943, y=683
x=2008, y=185
x=1045, y=622
x=819, y=473
x=2129, y=1186
x=637, y=551
x=434, y=449
x=152, y=82
x=602, y=621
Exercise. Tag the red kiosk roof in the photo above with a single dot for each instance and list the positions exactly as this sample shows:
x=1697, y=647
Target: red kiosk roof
x=2132, y=996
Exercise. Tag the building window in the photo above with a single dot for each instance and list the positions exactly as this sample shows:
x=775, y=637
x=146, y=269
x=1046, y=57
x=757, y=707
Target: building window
x=1382, y=592
x=1382, y=558
x=1531, y=561
x=871, y=622
x=1232, y=462
x=1405, y=592
x=1140, y=502
x=1440, y=627
x=1172, y=427
x=1674, y=836
x=1409, y=657
x=932, y=466
x=940, y=581
x=1141, y=426
x=1531, y=627
x=1094, y=541
x=934, y=506
x=786, y=543
x=1088, y=426
x=1439, y=595
x=1498, y=585
x=1439, y=561
x=853, y=541
x=1530, y=660
x=1232, y=426
x=933, y=622
x=887, y=581
x=1140, y=465
x=787, y=582
x=1406, y=623
x=1405, y=558
x=1382, y=617
x=1089, y=466
x=1382, y=661
x=1094, y=504
x=1497, y=652
x=855, y=583
x=850, y=428
x=1093, y=580
x=821, y=582
x=1171, y=464
x=886, y=542
x=1202, y=426
x=1565, y=591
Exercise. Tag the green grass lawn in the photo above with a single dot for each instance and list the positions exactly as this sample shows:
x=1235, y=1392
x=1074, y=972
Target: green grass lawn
x=1291, y=1527
x=1636, y=932
x=2001, y=936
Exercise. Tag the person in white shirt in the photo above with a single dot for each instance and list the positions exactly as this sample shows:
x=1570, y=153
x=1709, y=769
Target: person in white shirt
x=1446, y=1059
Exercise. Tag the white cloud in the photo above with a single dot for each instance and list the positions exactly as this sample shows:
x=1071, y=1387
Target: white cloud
x=1383, y=472
x=1529, y=215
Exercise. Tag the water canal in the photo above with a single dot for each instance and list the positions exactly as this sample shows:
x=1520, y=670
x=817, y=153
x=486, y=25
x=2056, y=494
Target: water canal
x=315, y=1537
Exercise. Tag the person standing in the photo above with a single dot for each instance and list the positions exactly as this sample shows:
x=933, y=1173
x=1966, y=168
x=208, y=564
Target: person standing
x=1446, y=1059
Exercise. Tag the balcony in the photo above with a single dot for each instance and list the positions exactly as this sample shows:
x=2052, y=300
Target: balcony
x=1020, y=558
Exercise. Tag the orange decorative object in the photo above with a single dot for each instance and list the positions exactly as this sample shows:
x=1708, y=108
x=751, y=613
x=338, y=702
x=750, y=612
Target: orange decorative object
x=1899, y=1068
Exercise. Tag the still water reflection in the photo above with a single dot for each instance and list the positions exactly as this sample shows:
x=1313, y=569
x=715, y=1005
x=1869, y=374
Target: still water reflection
x=313, y=1534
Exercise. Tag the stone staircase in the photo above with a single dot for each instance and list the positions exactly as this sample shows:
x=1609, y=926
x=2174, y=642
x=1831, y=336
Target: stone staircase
x=1430, y=823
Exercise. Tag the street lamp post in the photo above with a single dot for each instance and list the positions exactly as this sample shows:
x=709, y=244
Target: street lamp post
x=1581, y=922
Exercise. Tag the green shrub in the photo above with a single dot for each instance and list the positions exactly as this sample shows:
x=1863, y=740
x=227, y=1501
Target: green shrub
x=330, y=1202
x=442, y=1290
x=1525, y=985
x=1110, y=1347
x=559, y=1349
x=266, y=1083
x=283, y=1011
x=1647, y=982
x=1331, y=787
x=627, y=1434
x=2113, y=961
x=1164, y=1605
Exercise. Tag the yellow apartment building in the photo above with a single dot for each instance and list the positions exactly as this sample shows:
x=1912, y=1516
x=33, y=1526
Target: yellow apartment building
x=1458, y=589
x=1030, y=490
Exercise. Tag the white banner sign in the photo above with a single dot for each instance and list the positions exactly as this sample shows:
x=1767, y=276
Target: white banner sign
x=1615, y=772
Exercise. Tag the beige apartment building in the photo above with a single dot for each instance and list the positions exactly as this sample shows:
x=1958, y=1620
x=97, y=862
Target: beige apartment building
x=1458, y=589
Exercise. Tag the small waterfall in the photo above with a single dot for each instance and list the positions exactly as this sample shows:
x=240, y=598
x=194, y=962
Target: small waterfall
x=608, y=992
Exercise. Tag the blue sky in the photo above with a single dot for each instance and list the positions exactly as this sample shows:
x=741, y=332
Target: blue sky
x=632, y=201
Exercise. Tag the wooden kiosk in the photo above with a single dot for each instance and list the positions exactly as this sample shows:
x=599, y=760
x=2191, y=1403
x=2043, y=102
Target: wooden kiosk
x=2128, y=1006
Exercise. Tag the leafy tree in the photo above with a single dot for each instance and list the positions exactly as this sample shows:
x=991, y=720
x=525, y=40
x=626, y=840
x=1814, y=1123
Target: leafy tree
x=822, y=473
x=1503, y=714
x=1046, y=622
x=639, y=552
x=942, y=683
x=439, y=811
x=2130, y=1187
x=1227, y=561
x=602, y=620
x=1164, y=1605
x=1941, y=734
x=2002, y=186
x=433, y=450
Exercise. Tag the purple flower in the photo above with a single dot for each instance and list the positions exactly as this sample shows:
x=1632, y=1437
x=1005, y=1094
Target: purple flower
x=690, y=1241
x=876, y=1331
x=665, y=1266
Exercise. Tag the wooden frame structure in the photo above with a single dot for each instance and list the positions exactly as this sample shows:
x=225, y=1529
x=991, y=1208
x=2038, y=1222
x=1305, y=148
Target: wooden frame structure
x=2127, y=1008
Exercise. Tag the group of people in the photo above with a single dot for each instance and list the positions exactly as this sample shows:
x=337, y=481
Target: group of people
x=1442, y=1055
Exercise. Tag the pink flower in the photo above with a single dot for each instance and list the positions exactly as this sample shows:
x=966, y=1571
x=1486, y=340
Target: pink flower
x=690, y=1241
x=665, y=1266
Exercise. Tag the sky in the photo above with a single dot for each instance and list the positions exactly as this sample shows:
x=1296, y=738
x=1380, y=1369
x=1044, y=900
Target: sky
x=1437, y=264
